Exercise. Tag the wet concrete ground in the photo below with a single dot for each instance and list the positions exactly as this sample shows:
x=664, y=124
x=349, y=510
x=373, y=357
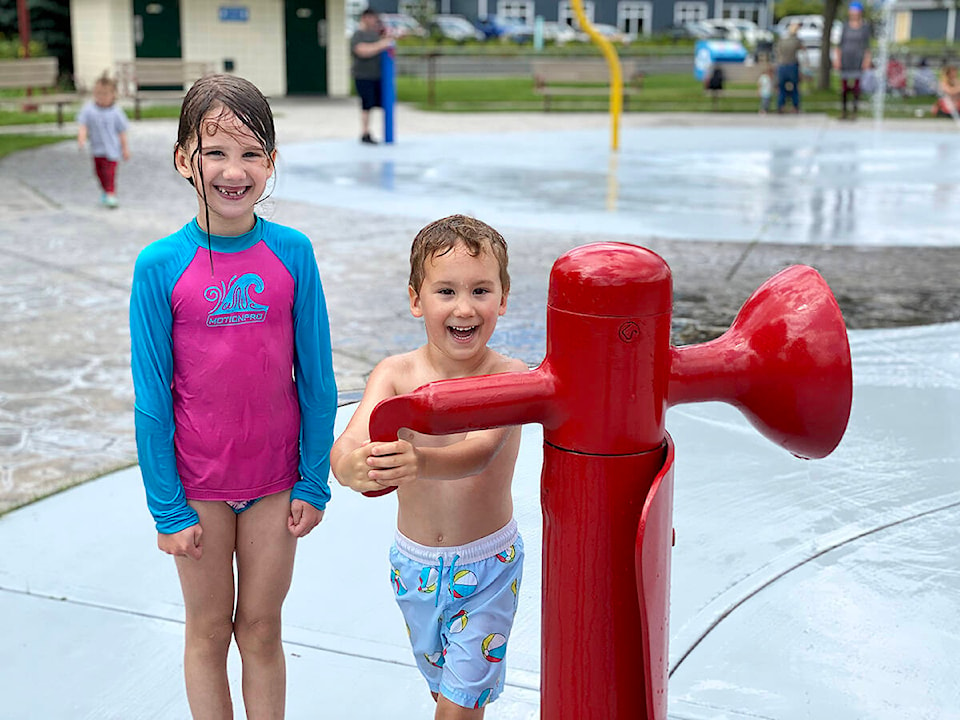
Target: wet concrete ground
x=66, y=392
x=873, y=212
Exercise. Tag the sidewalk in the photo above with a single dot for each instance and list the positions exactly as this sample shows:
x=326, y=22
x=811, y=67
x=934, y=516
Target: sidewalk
x=801, y=590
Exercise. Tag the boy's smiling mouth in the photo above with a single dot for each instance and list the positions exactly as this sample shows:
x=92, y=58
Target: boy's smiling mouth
x=462, y=334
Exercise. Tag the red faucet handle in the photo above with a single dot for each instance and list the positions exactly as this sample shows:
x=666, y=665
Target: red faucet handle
x=471, y=403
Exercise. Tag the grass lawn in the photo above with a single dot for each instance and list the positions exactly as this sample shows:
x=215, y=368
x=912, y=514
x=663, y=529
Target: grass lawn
x=12, y=143
x=16, y=117
x=661, y=93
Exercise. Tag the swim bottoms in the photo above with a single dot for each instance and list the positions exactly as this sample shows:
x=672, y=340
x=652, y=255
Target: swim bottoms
x=459, y=604
x=238, y=506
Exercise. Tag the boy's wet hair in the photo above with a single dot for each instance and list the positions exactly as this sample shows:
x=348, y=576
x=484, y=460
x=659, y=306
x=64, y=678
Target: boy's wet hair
x=440, y=237
x=105, y=81
x=226, y=92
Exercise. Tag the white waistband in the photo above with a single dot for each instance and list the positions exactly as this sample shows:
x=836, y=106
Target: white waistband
x=485, y=547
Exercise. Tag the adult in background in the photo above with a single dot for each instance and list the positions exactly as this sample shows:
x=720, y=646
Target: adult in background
x=367, y=43
x=788, y=68
x=852, y=56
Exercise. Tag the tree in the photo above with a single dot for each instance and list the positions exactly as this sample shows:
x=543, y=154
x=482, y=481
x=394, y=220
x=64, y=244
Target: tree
x=49, y=25
x=829, y=15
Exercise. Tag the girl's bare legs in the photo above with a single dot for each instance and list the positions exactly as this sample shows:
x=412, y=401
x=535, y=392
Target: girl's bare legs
x=208, y=595
x=265, y=552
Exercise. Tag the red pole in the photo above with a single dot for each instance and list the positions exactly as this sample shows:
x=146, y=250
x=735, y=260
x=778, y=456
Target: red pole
x=23, y=24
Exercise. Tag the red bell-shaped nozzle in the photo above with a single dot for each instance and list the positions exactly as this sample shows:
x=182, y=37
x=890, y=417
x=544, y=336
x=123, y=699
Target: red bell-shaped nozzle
x=785, y=362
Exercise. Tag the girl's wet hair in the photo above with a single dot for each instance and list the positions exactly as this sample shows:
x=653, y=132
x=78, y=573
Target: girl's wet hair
x=441, y=236
x=223, y=93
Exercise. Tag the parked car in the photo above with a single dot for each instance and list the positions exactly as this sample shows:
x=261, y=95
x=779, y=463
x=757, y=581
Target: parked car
x=400, y=25
x=610, y=32
x=810, y=31
x=455, y=27
x=741, y=30
x=695, y=30
x=558, y=32
x=494, y=26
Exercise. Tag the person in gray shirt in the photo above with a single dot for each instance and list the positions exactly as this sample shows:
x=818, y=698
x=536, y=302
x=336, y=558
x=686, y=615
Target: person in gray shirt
x=852, y=57
x=366, y=45
x=788, y=51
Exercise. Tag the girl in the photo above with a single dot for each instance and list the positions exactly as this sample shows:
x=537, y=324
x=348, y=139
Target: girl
x=235, y=398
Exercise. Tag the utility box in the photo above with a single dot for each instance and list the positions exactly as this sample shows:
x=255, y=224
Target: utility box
x=708, y=52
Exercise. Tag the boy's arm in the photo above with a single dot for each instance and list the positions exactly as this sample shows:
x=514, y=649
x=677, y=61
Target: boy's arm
x=82, y=136
x=399, y=462
x=348, y=456
x=122, y=124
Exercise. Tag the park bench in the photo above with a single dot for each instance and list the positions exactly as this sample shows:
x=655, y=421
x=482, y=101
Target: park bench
x=40, y=73
x=158, y=79
x=582, y=78
x=735, y=73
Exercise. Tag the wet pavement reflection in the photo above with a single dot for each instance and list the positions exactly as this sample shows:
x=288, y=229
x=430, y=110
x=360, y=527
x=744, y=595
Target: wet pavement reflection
x=801, y=185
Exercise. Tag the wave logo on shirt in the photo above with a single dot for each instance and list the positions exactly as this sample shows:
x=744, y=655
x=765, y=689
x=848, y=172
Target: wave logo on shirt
x=233, y=304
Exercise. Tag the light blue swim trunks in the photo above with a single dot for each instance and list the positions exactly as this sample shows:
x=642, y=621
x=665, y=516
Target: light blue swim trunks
x=459, y=604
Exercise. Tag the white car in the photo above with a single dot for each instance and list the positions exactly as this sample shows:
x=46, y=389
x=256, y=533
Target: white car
x=400, y=25
x=811, y=28
x=456, y=27
x=610, y=32
x=560, y=33
x=741, y=30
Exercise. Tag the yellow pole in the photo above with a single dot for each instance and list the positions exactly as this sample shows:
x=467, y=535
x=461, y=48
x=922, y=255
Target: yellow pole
x=616, y=74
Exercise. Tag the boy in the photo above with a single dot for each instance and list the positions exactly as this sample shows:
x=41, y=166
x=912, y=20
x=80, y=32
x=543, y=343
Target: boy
x=104, y=123
x=457, y=560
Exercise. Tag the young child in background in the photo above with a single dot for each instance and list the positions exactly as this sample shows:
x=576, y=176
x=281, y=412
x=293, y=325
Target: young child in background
x=104, y=124
x=765, y=89
x=457, y=561
x=235, y=398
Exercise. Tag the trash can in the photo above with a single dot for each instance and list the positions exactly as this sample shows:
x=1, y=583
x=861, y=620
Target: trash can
x=708, y=52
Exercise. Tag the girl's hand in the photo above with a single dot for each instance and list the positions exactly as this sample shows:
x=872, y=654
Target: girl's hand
x=393, y=463
x=304, y=517
x=186, y=543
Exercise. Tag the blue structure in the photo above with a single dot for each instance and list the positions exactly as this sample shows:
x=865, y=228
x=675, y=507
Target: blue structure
x=388, y=91
x=708, y=52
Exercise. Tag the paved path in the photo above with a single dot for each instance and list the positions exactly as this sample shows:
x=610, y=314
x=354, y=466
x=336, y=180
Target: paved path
x=65, y=391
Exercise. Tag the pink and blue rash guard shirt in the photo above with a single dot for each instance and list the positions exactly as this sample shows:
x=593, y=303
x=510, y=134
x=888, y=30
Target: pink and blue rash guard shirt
x=232, y=370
